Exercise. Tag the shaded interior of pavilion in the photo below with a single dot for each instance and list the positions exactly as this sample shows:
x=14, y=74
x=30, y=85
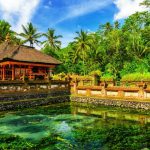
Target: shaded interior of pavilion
x=23, y=71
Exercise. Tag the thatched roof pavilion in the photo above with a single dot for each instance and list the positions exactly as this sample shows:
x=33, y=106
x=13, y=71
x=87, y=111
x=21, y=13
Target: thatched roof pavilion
x=18, y=60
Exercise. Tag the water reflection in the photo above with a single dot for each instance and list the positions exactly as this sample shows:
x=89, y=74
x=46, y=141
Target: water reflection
x=79, y=126
x=105, y=113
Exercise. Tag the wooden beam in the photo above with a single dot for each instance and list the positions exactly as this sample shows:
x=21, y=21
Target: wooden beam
x=27, y=64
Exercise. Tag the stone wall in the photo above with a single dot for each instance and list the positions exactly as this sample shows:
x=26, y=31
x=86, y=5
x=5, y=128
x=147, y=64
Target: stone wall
x=23, y=100
x=22, y=86
x=112, y=102
x=18, y=94
x=138, y=91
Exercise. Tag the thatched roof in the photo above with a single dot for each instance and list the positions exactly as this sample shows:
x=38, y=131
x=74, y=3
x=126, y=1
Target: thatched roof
x=24, y=54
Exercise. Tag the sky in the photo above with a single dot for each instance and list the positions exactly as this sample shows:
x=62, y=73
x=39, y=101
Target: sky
x=66, y=16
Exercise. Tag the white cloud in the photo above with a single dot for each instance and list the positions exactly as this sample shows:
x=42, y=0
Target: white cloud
x=18, y=12
x=49, y=5
x=127, y=8
x=83, y=7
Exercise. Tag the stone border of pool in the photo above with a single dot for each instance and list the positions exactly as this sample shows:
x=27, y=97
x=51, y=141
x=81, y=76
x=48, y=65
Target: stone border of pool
x=27, y=100
x=19, y=100
x=112, y=102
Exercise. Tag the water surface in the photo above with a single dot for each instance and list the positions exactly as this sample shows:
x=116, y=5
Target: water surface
x=75, y=126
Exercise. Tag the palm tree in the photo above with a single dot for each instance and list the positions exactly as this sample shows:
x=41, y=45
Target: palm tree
x=52, y=39
x=116, y=25
x=107, y=27
x=82, y=43
x=30, y=34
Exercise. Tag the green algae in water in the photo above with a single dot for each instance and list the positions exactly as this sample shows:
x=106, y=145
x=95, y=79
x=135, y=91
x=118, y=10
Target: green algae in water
x=73, y=126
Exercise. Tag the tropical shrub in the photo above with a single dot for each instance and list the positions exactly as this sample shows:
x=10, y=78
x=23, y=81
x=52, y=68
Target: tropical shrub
x=60, y=76
x=56, y=77
x=96, y=72
x=141, y=66
x=107, y=77
x=136, y=77
x=86, y=77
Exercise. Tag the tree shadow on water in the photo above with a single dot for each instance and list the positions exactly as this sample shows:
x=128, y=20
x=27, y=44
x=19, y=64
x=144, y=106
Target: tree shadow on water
x=32, y=129
x=25, y=120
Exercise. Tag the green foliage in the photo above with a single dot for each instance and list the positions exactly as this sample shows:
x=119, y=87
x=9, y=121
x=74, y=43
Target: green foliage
x=107, y=77
x=140, y=66
x=96, y=72
x=4, y=30
x=6, y=33
x=114, y=49
x=136, y=77
x=85, y=77
x=81, y=45
x=60, y=76
x=49, y=51
x=146, y=3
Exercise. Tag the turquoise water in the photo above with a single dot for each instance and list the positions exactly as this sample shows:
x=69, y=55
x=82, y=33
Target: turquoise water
x=75, y=126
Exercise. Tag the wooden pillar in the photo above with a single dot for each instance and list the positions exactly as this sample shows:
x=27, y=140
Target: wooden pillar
x=3, y=72
x=13, y=72
x=45, y=76
x=50, y=72
x=30, y=72
x=20, y=69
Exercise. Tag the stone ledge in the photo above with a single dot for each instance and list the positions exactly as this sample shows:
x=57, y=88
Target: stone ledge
x=26, y=95
x=33, y=103
x=112, y=102
x=13, y=101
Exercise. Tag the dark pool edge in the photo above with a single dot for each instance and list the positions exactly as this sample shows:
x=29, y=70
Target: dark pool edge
x=29, y=100
x=112, y=102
